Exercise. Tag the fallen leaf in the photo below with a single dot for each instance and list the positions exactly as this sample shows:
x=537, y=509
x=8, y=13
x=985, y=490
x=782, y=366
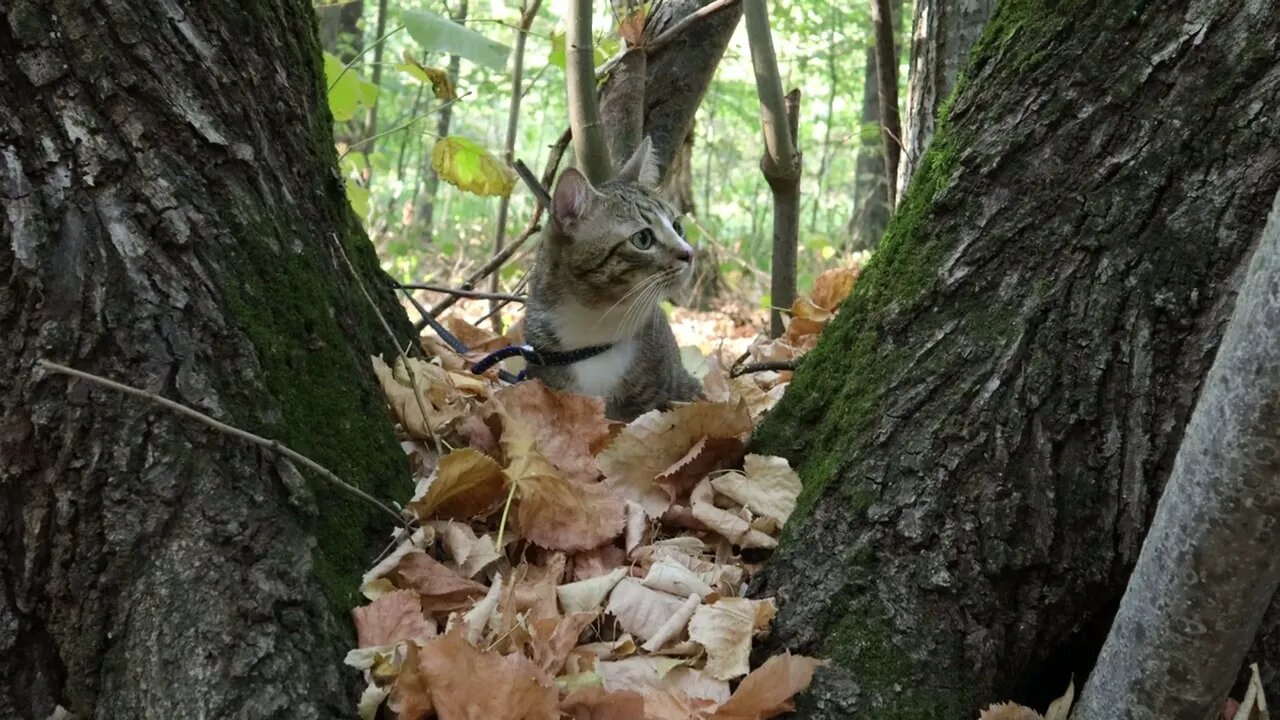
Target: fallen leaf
x=565, y=426
x=589, y=594
x=651, y=675
x=390, y=619
x=1059, y=709
x=411, y=694
x=597, y=562
x=439, y=588
x=595, y=703
x=553, y=638
x=769, y=487
x=769, y=689
x=470, y=684
x=1009, y=711
x=655, y=441
x=408, y=405
x=641, y=611
x=370, y=700
x=558, y=514
x=725, y=628
x=833, y=286
x=468, y=484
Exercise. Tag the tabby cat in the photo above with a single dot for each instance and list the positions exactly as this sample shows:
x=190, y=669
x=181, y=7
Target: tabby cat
x=609, y=256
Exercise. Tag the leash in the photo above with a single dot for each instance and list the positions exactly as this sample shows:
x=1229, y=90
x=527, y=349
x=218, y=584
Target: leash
x=531, y=355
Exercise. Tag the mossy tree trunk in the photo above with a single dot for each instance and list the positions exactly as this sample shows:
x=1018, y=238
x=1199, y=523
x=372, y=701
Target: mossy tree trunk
x=984, y=430
x=171, y=207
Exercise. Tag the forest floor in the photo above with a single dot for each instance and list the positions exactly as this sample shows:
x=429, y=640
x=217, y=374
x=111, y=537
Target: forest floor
x=582, y=567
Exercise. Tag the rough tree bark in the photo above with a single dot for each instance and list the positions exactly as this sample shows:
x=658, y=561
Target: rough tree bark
x=678, y=74
x=942, y=34
x=1208, y=567
x=984, y=429
x=170, y=201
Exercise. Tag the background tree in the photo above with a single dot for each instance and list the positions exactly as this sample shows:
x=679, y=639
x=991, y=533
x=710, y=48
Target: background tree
x=871, y=206
x=173, y=218
x=942, y=33
x=985, y=428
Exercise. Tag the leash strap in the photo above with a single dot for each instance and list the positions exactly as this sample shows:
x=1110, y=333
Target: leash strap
x=534, y=357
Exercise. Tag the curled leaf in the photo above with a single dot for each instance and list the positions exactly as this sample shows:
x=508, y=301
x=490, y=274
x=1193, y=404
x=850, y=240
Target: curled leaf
x=462, y=163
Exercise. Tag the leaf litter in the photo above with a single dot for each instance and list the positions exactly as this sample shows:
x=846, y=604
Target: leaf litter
x=568, y=566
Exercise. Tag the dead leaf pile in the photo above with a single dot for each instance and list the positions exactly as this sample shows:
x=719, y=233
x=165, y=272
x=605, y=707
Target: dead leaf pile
x=565, y=565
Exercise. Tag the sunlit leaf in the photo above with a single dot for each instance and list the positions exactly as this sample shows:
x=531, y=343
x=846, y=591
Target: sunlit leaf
x=440, y=34
x=358, y=197
x=441, y=85
x=354, y=163
x=347, y=92
x=460, y=162
x=557, y=55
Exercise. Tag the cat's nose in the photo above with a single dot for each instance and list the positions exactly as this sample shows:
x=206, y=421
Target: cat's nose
x=684, y=253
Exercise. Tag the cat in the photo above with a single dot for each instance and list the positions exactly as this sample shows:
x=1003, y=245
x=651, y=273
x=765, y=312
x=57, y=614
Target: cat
x=609, y=256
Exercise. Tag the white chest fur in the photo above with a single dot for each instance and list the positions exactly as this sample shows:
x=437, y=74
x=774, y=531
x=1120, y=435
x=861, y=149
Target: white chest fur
x=578, y=326
x=601, y=374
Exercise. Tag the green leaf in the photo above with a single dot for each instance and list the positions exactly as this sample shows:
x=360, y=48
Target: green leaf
x=557, y=55
x=508, y=272
x=766, y=301
x=354, y=163
x=827, y=252
x=359, y=198
x=604, y=49
x=440, y=34
x=347, y=91
x=460, y=162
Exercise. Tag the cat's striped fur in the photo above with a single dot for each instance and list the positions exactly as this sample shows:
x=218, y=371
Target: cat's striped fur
x=600, y=279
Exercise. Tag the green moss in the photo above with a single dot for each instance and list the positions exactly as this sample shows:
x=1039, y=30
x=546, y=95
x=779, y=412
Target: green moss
x=306, y=326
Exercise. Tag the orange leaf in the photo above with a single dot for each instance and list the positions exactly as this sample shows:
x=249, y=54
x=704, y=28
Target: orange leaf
x=470, y=684
x=439, y=587
x=769, y=689
x=391, y=618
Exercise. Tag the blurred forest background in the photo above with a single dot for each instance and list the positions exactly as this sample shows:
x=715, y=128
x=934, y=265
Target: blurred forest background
x=389, y=117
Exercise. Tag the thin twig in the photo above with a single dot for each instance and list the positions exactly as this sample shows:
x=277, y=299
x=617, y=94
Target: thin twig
x=402, y=126
x=356, y=59
x=274, y=445
x=395, y=342
x=776, y=366
x=474, y=294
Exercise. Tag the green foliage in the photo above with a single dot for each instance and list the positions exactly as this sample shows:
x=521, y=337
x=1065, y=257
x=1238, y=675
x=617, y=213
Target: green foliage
x=347, y=92
x=460, y=162
x=441, y=34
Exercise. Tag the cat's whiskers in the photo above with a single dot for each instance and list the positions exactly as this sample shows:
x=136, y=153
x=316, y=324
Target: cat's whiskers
x=636, y=313
x=640, y=286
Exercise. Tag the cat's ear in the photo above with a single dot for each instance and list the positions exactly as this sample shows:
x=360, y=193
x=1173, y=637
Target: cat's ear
x=572, y=198
x=642, y=167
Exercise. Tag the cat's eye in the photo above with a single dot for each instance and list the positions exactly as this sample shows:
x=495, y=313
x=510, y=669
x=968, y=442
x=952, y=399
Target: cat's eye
x=675, y=225
x=643, y=240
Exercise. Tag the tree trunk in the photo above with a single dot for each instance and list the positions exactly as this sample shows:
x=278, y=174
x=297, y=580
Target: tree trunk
x=943, y=32
x=886, y=22
x=171, y=207
x=340, y=28
x=870, y=187
x=984, y=429
x=678, y=74
x=1208, y=567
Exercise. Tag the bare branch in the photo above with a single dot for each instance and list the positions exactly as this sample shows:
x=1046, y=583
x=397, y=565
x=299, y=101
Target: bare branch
x=474, y=294
x=584, y=111
x=272, y=445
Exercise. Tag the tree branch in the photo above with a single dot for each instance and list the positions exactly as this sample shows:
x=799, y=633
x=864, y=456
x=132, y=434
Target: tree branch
x=272, y=445
x=887, y=88
x=584, y=111
x=474, y=294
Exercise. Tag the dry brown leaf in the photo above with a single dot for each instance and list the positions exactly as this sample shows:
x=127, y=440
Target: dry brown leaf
x=833, y=286
x=411, y=696
x=565, y=426
x=1009, y=711
x=406, y=406
x=725, y=628
x=439, y=588
x=471, y=684
x=650, y=675
x=589, y=594
x=706, y=455
x=769, y=487
x=769, y=689
x=552, y=511
x=597, y=562
x=468, y=484
x=476, y=339
x=391, y=618
x=641, y=611
x=533, y=592
x=655, y=441
x=596, y=703
x=1059, y=709
x=554, y=638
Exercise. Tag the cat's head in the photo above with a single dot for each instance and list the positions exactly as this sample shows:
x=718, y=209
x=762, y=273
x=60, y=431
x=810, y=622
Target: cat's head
x=618, y=240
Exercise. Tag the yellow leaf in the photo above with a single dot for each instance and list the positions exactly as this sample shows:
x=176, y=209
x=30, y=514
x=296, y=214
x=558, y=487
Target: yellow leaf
x=460, y=162
x=468, y=484
x=441, y=86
